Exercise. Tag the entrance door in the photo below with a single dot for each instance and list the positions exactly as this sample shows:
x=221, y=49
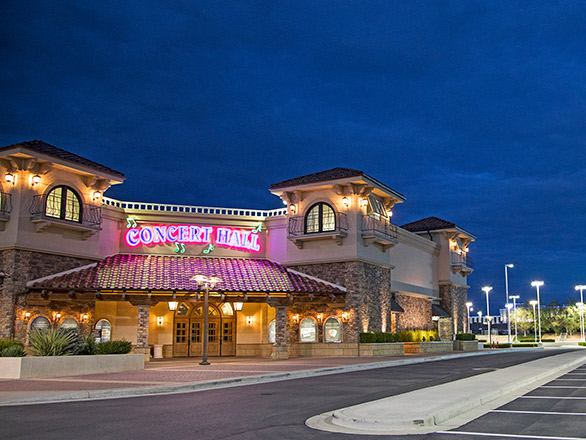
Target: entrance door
x=228, y=338
x=180, y=340
x=196, y=337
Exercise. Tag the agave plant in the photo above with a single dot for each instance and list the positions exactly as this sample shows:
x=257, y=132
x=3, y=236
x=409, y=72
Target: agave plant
x=50, y=342
x=13, y=351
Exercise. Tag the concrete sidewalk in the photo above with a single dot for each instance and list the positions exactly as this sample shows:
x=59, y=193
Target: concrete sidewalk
x=185, y=375
x=446, y=406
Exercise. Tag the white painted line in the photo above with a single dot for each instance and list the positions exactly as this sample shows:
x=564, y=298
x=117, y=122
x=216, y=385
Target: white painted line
x=486, y=434
x=562, y=386
x=552, y=397
x=551, y=413
x=575, y=374
x=574, y=380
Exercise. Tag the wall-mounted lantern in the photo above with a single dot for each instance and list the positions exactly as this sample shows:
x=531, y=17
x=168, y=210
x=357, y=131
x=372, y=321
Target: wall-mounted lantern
x=249, y=320
x=96, y=195
x=160, y=320
x=320, y=317
x=363, y=203
x=346, y=201
x=293, y=208
x=35, y=180
x=238, y=306
x=10, y=178
x=26, y=316
x=173, y=305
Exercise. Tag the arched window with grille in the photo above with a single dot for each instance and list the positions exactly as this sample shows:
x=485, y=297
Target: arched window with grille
x=64, y=203
x=321, y=217
x=307, y=330
x=332, y=330
x=40, y=322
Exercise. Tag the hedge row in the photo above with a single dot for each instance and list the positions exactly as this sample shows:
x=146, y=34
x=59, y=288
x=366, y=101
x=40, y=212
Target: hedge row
x=404, y=336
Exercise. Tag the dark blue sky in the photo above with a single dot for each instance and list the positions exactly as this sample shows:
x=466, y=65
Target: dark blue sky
x=474, y=110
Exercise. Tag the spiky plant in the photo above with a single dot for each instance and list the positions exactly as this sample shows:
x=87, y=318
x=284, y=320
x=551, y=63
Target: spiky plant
x=50, y=342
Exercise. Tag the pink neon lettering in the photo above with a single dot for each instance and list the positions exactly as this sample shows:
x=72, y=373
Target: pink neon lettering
x=222, y=236
x=171, y=233
x=183, y=234
x=146, y=235
x=254, y=246
x=159, y=234
x=132, y=238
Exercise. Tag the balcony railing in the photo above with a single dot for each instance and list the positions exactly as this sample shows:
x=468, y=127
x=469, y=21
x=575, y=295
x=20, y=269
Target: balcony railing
x=91, y=215
x=5, y=205
x=461, y=261
x=373, y=225
x=296, y=226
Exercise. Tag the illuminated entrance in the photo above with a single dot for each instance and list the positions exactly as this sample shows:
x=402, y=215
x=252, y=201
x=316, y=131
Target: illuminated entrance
x=188, y=330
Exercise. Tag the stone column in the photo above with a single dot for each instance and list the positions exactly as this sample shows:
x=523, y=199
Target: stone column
x=142, y=332
x=280, y=349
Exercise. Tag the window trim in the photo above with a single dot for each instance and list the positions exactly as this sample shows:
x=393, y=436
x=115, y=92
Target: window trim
x=38, y=317
x=315, y=326
x=340, y=326
x=63, y=203
x=320, y=218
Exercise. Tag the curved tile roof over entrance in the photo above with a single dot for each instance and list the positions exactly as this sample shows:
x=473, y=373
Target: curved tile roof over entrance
x=157, y=272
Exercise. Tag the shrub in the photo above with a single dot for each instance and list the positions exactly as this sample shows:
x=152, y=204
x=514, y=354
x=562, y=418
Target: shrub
x=418, y=336
x=119, y=347
x=50, y=342
x=8, y=343
x=548, y=340
x=582, y=344
x=465, y=337
x=526, y=345
x=367, y=338
x=13, y=351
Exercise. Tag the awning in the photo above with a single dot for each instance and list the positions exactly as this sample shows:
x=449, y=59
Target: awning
x=395, y=307
x=438, y=311
x=171, y=273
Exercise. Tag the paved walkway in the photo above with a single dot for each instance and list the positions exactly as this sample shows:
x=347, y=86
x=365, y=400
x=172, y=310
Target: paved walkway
x=182, y=375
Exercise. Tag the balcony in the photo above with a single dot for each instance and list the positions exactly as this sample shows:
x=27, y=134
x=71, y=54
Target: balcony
x=296, y=230
x=91, y=218
x=5, y=209
x=461, y=262
x=379, y=232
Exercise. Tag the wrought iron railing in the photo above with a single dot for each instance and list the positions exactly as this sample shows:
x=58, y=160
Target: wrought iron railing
x=91, y=215
x=462, y=259
x=5, y=204
x=296, y=226
x=142, y=206
x=383, y=227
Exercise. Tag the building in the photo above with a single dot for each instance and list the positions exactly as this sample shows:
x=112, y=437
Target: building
x=302, y=280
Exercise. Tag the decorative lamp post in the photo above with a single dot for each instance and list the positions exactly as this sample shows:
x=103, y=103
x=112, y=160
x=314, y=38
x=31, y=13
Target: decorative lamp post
x=487, y=289
x=207, y=283
x=534, y=303
x=537, y=285
x=509, y=306
x=507, y=266
x=515, y=298
x=581, y=288
x=469, y=307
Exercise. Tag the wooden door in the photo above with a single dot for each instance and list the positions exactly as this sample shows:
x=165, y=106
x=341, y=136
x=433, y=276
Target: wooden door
x=180, y=340
x=214, y=337
x=228, y=337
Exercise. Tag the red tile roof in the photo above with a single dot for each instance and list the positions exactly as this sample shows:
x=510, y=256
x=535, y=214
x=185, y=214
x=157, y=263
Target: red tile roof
x=322, y=176
x=155, y=272
x=50, y=150
x=432, y=224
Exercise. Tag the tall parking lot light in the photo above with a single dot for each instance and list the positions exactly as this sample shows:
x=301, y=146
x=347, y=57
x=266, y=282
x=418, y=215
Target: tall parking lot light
x=507, y=266
x=487, y=289
x=509, y=306
x=581, y=289
x=469, y=307
x=534, y=303
x=515, y=298
x=537, y=285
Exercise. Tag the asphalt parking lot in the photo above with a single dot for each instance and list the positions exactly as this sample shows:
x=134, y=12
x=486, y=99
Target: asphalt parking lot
x=556, y=411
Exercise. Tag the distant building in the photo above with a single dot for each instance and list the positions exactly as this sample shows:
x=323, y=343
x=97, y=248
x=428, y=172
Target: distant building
x=302, y=280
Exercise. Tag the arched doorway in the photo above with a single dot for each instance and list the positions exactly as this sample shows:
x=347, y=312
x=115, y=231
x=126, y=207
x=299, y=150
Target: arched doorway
x=188, y=330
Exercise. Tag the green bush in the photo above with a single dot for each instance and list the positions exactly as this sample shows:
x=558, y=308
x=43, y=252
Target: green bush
x=367, y=338
x=13, y=351
x=418, y=336
x=119, y=347
x=50, y=342
x=465, y=337
x=9, y=343
x=582, y=344
x=526, y=345
x=482, y=340
x=548, y=340
x=500, y=345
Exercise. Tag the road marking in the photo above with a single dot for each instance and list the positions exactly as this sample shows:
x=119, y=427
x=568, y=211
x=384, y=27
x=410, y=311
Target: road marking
x=552, y=413
x=574, y=380
x=562, y=386
x=486, y=434
x=552, y=397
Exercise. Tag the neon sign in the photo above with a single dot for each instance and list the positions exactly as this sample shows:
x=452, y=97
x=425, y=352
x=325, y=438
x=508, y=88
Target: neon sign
x=185, y=234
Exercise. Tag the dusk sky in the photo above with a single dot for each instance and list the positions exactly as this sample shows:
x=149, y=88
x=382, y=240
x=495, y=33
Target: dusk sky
x=475, y=111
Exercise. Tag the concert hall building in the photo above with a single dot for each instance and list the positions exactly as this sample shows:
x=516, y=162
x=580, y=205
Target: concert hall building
x=302, y=280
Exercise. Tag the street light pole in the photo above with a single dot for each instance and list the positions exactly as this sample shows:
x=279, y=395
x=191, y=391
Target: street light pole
x=515, y=298
x=487, y=289
x=582, y=333
x=509, y=306
x=534, y=303
x=507, y=281
x=537, y=285
x=207, y=283
x=469, y=307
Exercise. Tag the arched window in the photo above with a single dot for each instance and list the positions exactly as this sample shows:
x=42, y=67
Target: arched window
x=272, y=332
x=103, y=330
x=226, y=309
x=307, y=331
x=182, y=310
x=332, y=330
x=40, y=322
x=320, y=218
x=69, y=323
x=63, y=203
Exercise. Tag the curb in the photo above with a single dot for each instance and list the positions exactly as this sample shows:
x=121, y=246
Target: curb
x=118, y=393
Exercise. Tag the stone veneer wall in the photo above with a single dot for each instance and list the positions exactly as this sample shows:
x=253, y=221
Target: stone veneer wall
x=368, y=286
x=417, y=313
x=453, y=301
x=23, y=266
